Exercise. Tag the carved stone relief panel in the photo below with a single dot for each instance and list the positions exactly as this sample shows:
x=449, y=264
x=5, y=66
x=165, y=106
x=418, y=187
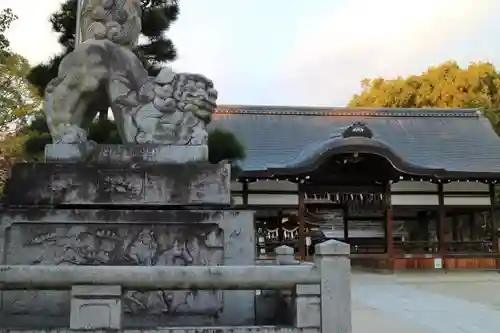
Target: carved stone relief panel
x=114, y=244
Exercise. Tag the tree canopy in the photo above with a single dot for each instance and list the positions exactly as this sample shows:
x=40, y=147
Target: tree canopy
x=445, y=86
x=6, y=18
x=18, y=100
x=157, y=17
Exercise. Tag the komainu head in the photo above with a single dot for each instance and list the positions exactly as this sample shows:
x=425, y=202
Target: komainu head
x=116, y=20
x=187, y=92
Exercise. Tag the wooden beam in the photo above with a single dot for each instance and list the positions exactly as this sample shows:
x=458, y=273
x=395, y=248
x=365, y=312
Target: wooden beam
x=344, y=180
x=301, y=216
x=388, y=223
x=365, y=188
x=494, y=223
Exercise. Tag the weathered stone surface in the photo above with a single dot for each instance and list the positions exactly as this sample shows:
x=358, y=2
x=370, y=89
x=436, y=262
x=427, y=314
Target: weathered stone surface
x=332, y=259
x=125, y=154
x=89, y=184
x=307, y=306
x=144, y=238
x=96, y=307
x=285, y=255
x=185, y=277
x=215, y=329
x=68, y=152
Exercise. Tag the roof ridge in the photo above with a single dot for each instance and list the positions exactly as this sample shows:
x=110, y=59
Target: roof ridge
x=346, y=111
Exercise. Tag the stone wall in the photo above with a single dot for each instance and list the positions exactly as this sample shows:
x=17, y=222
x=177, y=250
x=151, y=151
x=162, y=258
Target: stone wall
x=118, y=246
x=244, y=329
x=129, y=238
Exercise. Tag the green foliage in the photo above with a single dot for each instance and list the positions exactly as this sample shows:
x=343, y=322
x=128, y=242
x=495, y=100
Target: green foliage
x=35, y=144
x=11, y=151
x=18, y=99
x=224, y=145
x=445, y=86
x=40, y=75
x=6, y=18
x=103, y=131
x=157, y=17
x=39, y=124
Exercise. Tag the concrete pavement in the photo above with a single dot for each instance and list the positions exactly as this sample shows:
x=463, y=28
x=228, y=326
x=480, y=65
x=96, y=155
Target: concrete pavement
x=426, y=303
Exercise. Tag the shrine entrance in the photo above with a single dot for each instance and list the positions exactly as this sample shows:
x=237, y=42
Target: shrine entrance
x=348, y=198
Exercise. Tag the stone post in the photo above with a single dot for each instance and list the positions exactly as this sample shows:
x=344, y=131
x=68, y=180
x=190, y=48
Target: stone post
x=285, y=255
x=332, y=259
x=283, y=302
x=96, y=307
x=273, y=306
x=307, y=306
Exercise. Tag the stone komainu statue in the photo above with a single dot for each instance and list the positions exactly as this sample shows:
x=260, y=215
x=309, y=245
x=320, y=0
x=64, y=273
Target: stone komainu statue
x=102, y=71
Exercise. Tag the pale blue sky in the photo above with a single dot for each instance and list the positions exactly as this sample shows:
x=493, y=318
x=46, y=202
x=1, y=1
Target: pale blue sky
x=298, y=52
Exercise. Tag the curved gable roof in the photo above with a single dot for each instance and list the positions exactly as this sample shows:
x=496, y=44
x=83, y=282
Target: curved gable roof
x=436, y=141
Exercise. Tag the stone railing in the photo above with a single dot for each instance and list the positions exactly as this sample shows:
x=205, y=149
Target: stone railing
x=318, y=293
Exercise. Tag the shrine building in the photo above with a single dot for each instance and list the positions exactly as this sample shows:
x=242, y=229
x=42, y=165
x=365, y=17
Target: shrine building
x=406, y=188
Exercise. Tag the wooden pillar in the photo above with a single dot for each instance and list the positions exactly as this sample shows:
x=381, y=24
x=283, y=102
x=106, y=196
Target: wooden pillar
x=494, y=223
x=455, y=228
x=441, y=221
x=302, y=229
x=472, y=227
x=245, y=193
x=345, y=221
x=281, y=235
x=388, y=224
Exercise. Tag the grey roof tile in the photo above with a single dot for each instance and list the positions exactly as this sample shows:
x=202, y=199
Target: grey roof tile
x=454, y=140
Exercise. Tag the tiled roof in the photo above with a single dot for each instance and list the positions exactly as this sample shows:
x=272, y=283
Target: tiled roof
x=456, y=140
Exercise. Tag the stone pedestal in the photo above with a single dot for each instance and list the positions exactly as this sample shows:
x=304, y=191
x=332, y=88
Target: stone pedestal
x=125, y=154
x=63, y=184
x=113, y=214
